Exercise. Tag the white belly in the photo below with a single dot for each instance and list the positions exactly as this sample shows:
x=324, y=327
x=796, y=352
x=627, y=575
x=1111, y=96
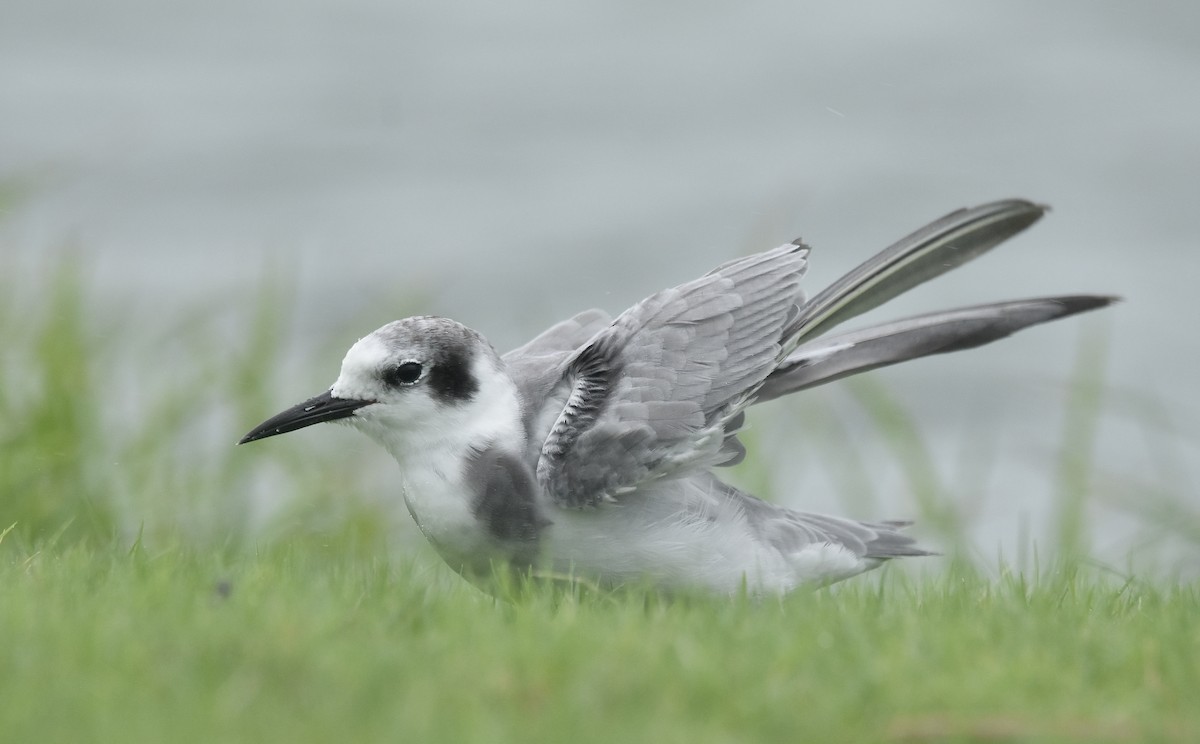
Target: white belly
x=669, y=535
x=658, y=538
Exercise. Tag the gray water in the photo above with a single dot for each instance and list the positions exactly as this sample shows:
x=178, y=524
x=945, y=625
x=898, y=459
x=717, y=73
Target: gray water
x=510, y=163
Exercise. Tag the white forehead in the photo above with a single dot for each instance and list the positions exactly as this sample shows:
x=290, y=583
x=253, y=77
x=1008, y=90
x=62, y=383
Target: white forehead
x=368, y=353
x=359, y=375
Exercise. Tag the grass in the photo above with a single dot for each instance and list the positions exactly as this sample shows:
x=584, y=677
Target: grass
x=296, y=644
x=144, y=598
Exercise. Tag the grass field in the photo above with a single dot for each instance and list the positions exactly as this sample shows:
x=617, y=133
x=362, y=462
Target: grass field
x=306, y=644
x=142, y=598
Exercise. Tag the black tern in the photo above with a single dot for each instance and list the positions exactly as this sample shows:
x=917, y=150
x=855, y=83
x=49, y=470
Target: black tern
x=589, y=451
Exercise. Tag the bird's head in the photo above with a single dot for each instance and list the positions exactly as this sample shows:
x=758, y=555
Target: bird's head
x=419, y=375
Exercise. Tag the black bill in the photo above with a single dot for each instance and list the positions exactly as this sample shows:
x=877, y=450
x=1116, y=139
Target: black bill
x=323, y=407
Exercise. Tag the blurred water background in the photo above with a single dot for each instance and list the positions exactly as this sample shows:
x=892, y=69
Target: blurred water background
x=511, y=163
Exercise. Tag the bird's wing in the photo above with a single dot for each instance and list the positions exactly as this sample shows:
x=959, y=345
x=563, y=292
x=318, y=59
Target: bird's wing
x=924, y=254
x=929, y=252
x=649, y=396
x=566, y=335
x=833, y=357
x=535, y=367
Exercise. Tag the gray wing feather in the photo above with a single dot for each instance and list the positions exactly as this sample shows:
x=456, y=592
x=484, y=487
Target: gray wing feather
x=927, y=253
x=566, y=335
x=834, y=357
x=649, y=396
x=662, y=390
x=536, y=367
x=934, y=249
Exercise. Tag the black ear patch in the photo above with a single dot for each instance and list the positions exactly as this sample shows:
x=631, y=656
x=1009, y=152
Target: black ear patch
x=451, y=379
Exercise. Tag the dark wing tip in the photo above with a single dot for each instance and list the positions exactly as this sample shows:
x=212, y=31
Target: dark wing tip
x=1021, y=203
x=1022, y=212
x=1082, y=303
x=799, y=248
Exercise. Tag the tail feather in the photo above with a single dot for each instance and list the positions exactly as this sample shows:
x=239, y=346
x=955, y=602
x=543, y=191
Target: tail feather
x=890, y=542
x=834, y=357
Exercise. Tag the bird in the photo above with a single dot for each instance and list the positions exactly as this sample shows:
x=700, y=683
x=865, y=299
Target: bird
x=589, y=452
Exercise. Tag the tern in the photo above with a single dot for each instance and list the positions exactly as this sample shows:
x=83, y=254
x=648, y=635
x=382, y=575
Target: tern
x=589, y=451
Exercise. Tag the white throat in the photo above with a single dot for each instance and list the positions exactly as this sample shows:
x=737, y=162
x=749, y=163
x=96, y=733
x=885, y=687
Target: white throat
x=432, y=447
x=492, y=415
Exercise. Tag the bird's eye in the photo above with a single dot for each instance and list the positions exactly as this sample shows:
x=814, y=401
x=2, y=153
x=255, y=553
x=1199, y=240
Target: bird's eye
x=405, y=373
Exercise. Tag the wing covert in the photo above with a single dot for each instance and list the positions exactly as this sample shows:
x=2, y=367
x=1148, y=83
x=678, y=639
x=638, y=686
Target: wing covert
x=649, y=396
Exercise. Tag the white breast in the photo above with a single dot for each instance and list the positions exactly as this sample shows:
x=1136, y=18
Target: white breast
x=437, y=498
x=433, y=460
